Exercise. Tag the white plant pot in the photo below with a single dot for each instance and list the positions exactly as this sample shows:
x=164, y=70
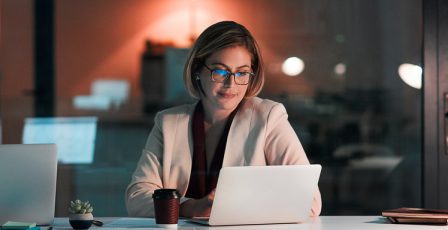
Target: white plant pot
x=86, y=216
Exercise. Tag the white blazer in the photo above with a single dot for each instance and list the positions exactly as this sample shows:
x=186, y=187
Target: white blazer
x=260, y=134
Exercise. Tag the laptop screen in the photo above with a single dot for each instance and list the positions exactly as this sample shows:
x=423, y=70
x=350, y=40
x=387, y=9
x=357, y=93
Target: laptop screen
x=74, y=136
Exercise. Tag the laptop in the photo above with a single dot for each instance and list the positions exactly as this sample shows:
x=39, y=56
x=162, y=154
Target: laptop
x=263, y=195
x=28, y=183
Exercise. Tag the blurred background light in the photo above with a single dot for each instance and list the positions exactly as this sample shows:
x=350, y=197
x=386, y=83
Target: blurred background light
x=340, y=68
x=411, y=74
x=293, y=66
x=340, y=38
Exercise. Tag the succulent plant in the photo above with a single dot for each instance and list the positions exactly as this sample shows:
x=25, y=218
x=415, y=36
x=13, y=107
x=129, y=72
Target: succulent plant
x=79, y=207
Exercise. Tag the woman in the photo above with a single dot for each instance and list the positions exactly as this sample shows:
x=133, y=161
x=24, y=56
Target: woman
x=228, y=126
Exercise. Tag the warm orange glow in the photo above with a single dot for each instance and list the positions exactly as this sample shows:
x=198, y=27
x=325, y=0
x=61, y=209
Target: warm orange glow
x=91, y=46
x=177, y=26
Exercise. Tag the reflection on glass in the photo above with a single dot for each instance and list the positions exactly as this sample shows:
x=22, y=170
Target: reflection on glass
x=352, y=112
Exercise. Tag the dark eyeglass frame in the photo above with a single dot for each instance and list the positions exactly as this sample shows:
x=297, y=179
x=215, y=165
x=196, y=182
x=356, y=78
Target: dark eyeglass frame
x=228, y=75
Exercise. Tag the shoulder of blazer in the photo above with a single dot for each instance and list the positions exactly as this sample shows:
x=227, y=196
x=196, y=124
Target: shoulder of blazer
x=264, y=106
x=181, y=110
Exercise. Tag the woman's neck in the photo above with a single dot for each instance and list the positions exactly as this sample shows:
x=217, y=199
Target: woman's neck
x=214, y=115
x=217, y=116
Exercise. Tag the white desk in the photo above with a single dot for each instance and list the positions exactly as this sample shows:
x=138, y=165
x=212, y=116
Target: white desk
x=323, y=222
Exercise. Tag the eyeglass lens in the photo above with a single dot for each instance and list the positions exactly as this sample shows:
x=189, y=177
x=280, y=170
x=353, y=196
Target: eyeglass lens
x=220, y=75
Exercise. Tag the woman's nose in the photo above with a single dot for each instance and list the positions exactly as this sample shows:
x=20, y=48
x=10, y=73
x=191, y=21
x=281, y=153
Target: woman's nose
x=230, y=81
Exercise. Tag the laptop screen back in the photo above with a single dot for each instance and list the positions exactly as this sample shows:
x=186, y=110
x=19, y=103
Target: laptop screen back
x=28, y=183
x=264, y=194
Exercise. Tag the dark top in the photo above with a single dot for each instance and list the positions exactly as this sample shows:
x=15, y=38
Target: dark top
x=203, y=181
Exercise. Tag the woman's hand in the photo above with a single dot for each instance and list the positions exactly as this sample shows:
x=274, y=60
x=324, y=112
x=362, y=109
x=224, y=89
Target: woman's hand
x=198, y=207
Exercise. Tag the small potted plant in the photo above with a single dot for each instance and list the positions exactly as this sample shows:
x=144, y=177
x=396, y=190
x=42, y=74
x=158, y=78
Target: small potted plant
x=80, y=216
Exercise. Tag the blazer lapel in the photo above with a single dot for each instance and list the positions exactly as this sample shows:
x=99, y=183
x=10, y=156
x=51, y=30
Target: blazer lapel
x=237, y=141
x=184, y=147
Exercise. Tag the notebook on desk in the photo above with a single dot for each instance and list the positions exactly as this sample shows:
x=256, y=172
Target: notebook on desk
x=28, y=183
x=263, y=195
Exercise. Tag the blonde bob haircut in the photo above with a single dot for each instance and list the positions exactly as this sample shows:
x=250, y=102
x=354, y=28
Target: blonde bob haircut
x=217, y=37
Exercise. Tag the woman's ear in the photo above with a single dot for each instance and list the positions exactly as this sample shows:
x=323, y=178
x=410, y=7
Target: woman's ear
x=198, y=83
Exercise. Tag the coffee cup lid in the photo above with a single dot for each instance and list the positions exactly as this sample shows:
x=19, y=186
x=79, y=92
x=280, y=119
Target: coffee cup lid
x=165, y=193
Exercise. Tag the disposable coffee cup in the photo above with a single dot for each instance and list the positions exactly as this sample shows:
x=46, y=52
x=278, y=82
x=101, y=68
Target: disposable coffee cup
x=166, y=207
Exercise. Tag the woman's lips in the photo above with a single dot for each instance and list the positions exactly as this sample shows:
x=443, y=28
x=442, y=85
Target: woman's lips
x=226, y=95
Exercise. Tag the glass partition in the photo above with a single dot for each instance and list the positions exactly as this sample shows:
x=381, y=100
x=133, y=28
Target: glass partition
x=348, y=73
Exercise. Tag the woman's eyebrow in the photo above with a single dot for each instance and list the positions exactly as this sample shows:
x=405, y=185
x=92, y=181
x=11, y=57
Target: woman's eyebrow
x=222, y=64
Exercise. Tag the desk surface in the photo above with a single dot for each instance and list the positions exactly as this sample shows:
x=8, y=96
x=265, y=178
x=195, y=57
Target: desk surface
x=323, y=222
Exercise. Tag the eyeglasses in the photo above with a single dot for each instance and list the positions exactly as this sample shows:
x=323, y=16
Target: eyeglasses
x=221, y=76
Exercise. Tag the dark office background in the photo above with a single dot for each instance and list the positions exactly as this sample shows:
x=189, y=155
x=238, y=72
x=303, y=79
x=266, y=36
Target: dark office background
x=350, y=108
